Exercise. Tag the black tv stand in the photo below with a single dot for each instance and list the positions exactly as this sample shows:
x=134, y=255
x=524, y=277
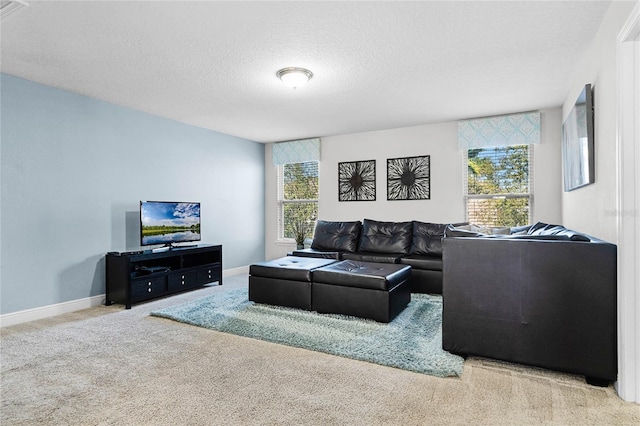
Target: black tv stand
x=134, y=277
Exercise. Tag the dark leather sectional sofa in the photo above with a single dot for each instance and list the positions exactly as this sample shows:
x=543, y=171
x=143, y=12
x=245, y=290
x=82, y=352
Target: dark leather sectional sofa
x=541, y=295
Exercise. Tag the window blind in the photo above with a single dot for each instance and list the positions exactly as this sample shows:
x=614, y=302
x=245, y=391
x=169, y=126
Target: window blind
x=498, y=185
x=297, y=199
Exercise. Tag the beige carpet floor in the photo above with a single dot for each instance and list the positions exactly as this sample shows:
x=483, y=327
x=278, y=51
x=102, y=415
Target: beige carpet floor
x=111, y=366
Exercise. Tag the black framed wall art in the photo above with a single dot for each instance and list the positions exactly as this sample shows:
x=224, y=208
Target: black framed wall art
x=357, y=181
x=409, y=178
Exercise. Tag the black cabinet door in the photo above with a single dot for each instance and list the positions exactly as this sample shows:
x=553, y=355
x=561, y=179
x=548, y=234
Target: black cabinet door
x=208, y=274
x=182, y=281
x=148, y=288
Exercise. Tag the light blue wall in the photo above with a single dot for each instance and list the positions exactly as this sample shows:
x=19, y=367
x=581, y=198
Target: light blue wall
x=73, y=172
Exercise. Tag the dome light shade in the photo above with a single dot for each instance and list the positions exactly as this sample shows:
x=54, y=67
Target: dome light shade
x=294, y=77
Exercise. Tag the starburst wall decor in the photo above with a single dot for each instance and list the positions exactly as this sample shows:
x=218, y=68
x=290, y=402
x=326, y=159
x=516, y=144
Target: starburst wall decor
x=409, y=178
x=357, y=181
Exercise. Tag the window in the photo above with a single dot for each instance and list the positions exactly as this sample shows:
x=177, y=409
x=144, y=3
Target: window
x=499, y=185
x=297, y=200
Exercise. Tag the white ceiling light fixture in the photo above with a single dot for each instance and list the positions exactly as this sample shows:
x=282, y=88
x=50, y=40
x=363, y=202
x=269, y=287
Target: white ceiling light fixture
x=294, y=77
x=8, y=7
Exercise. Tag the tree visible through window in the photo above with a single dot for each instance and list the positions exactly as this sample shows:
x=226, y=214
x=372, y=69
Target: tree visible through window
x=297, y=200
x=499, y=186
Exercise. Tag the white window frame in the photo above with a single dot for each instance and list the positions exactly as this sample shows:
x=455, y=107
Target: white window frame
x=465, y=184
x=282, y=202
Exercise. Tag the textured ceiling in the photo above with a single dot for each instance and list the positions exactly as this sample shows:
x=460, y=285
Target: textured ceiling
x=376, y=65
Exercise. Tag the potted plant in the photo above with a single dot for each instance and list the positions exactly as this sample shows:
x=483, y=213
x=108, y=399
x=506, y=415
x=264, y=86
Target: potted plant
x=299, y=233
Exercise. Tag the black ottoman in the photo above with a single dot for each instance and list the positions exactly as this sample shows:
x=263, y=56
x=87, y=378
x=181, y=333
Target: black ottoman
x=379, y=291
x=285, y=281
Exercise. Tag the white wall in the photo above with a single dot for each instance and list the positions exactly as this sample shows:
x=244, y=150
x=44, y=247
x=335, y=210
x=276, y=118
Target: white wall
x=446, y=203
x=628, y=63
x=438, y=140
x=547, y=164
x=73, y=172
x=592, y=208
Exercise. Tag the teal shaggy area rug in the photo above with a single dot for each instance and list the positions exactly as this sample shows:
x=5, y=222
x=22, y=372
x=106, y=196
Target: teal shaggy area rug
x=412, y=341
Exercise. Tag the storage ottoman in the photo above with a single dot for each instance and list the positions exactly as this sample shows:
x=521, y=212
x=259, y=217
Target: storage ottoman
x=378, y=291
x=285, y=281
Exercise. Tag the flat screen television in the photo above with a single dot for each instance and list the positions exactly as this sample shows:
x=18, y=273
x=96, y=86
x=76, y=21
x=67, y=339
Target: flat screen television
x=168, y=223
x=578, y=163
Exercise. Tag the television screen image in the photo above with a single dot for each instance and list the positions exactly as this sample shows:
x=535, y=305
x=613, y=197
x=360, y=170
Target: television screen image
x=163, y=222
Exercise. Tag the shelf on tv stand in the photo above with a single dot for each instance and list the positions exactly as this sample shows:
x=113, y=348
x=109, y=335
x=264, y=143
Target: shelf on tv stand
x=134, y=277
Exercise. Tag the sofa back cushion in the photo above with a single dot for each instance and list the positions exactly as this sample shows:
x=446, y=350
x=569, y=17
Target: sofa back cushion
x=427, y=238
x=461, y=231
x=544, y=229
x=336, y=236
x=386, y=237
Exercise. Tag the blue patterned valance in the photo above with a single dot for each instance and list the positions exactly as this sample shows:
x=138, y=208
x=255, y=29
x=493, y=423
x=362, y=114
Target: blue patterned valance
x=502, y=130
x=296, y=151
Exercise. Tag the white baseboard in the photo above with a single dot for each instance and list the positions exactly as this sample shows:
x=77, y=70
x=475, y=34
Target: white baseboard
x=27, y=315
x=235, y=271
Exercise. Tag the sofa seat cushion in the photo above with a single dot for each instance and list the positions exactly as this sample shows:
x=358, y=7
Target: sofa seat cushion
x=373, y=257
x=370, y=275
x=386, y=237
x=289, y=268
x=431, y=263
x=336, y=236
